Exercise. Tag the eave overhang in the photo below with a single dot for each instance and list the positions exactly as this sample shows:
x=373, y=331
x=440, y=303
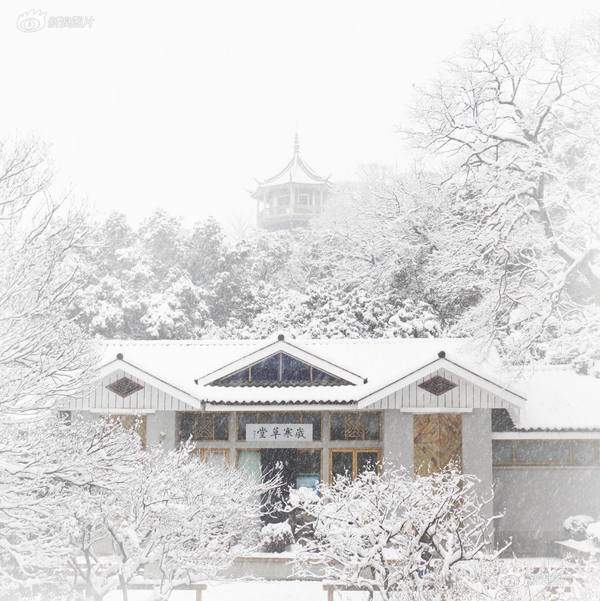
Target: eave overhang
x=129, y=368
x=443, y=362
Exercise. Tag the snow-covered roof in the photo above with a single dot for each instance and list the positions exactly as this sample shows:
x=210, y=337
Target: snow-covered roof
x=557, y=398
x=560, y=399
x=296, y=171
x=190, y=365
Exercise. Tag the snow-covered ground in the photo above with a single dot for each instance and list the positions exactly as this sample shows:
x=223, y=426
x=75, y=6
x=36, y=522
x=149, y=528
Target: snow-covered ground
x=289, y=590
x=293, y=590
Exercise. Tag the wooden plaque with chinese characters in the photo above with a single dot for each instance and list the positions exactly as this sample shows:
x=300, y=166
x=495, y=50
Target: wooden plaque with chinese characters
x=437, y=441
x=281, y=433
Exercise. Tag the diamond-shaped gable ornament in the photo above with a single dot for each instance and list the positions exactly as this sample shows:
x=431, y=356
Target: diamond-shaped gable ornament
x=437, y=385
x=124, y=387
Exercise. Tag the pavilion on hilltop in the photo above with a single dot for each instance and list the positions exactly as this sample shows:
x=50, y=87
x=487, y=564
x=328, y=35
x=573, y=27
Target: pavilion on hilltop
x=292, y=197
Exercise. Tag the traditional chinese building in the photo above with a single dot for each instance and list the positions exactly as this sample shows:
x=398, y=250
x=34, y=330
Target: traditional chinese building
x=292, y=197
x=318, y=408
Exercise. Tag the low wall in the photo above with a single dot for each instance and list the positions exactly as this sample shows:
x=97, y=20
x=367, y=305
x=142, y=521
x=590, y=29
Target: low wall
x=537, y=499
x=270, y=566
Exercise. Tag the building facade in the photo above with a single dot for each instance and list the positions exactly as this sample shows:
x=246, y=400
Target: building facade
x=312, y=409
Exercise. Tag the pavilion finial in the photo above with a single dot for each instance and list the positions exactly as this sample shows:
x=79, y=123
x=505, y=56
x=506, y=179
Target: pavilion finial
x=296, y=144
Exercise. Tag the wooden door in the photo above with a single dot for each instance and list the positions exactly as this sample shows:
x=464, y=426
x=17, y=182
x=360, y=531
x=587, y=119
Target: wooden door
x=437, y=441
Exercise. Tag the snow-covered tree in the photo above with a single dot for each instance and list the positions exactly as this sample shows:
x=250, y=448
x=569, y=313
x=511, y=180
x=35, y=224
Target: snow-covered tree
x=47, y=465
x=175, y=521
x=42, y=355
x=330, y=311
x=85, y=509
x=391, y=533
x=382, y=225
x=511, y=126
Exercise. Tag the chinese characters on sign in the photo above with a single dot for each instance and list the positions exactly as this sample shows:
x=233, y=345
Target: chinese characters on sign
x=279, y=432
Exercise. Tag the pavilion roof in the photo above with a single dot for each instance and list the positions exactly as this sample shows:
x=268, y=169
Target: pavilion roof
x=296, y=171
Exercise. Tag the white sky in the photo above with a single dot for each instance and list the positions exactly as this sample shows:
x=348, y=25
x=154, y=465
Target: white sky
x=182, y=104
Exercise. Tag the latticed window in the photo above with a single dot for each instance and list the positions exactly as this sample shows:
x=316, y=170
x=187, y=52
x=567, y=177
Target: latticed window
x=355, y=426
x=204, y=426
x=437, y=385
x=124, y=387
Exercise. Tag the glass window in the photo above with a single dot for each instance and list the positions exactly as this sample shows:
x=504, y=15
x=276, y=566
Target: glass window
x=542, y=451
x=282, y=370
x=293, y=370
x=353, y=462
x=584, y=452
x=308, y=463
x=242, y=420
x=342, y=463
x=355, y=426
x=239, y=378
x=366, y=461
x=337, y=430
x=186, y=426
x=215, y=457
x=372, y=426
x=315, y=420
x=303, y=199
x=283, y=201
x=502, y=451
x=545, y=452
x=323, y=377
x=203, y=426
x=279, y=417
x=248, y=462
x=266, y=370
x=308, y=469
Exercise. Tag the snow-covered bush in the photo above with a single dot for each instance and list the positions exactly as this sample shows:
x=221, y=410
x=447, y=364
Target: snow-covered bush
x=274, y=538
x=389, y=531
x=176, y=519
x=593, y=533
x=576, y=526
x=515, y=580
x=303, y=496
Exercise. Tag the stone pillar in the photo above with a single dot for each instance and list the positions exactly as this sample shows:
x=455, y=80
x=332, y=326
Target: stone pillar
x=162, y=428
x=398, y=439
x=477, y=451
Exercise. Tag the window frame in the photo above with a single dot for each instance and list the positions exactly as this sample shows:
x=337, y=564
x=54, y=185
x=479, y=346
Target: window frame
x=319, y=450
x=354, y=452
x=180, y=414
x=365, y=440
x=570, y=463
x=204, y=451
x=245, y=377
